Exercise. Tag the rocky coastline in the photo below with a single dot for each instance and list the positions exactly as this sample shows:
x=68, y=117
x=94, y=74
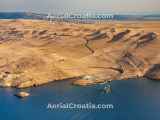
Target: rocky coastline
x=37, y=52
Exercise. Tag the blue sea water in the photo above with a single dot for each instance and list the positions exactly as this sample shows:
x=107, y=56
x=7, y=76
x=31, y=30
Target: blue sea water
x=132, y=100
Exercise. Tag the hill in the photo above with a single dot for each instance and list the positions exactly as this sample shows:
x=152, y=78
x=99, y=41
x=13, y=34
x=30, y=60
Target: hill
x=36, y=52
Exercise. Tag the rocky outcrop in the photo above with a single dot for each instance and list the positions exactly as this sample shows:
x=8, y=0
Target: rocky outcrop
x=22, y=94
x=145, y=39
x=153, y=72
x=120, y=35
x=33, y=53
x=96, y=35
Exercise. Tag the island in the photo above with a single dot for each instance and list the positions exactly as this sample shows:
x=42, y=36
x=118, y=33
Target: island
x=37, y=52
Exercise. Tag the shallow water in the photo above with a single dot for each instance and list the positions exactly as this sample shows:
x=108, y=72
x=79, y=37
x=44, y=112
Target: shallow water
x=132, y=100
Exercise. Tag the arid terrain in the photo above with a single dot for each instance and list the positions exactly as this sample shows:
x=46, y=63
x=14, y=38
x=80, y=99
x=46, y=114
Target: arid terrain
x=34, y=52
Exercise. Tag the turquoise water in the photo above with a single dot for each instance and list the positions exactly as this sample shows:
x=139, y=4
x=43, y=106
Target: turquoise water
x=132, y=100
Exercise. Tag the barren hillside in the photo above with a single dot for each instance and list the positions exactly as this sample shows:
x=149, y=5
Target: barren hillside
x=36, y=52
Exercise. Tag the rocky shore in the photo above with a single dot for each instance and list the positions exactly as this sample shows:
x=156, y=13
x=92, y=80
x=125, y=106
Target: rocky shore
x=34, y=52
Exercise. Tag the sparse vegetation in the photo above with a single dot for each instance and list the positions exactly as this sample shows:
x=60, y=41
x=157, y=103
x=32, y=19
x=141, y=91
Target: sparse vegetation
x=38, y=52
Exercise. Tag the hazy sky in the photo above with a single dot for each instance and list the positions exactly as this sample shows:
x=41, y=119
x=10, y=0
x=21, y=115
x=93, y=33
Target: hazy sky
x=118, y=6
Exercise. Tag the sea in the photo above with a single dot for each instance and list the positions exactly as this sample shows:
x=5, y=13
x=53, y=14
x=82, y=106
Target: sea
x=130, y=100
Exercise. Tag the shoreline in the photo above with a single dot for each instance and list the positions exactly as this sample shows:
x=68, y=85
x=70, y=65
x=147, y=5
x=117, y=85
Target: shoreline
x=33, y=53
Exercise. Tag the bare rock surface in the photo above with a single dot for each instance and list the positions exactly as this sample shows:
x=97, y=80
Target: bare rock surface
x=34, y=52
x=22, y=94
